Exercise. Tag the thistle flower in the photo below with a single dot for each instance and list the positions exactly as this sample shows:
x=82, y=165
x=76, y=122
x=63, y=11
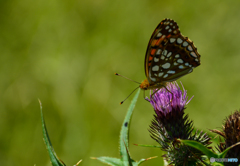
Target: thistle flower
x=231, y=134
x=170, y=123
x=169, y=106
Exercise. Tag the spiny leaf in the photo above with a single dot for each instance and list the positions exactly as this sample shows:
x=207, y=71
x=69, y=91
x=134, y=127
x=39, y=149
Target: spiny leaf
x=200, y=147
x=124, y=151
x=53, y=156
x=109, y=160
x=151, y=146
x=125, y=130
x=224, y=153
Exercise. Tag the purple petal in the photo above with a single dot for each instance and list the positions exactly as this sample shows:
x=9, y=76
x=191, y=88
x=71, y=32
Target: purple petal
x=164, y=101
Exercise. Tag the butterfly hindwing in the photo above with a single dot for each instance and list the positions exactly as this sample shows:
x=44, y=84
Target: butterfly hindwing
x=169, y=55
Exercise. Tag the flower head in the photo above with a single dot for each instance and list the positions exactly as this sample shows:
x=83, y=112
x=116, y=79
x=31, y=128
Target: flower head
x=169, y=105
x=231, y=134
x=165, y=101
x=170, y=123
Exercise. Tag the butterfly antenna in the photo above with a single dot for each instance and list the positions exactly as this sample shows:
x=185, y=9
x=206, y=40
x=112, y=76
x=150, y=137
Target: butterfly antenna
x=127, y=78
x=129, y=95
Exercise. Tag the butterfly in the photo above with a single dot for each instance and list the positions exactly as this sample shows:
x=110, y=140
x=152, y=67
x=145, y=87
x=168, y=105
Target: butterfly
x=169, y=56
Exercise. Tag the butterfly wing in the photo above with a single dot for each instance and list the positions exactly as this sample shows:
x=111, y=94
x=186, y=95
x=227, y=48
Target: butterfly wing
x=170, y=55
x=158, y=41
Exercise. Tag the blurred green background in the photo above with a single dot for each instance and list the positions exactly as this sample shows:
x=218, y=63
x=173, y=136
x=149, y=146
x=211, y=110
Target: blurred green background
x=66, y=53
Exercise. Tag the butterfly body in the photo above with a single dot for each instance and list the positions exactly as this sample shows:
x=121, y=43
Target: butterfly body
x=145, y=85
x=169, y=56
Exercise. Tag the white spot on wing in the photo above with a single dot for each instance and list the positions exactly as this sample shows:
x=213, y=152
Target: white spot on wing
x=155, y=68
x=186, y=64
x=180, y=67
x=160, y=74
x=165, y=76
x=159, y=34
x=172, y=40
x=189, y=48
x=169, y=54
x=164, y=52
x=167, y=27
x=156, y=59
x=193, y=54
x=166, y=65
x=175, y=63
x=179, y=40
x=162, y=57
x=150, y=76
x=177, y=56
x=179, y=61
x=171, y=72
x=153, y=79
x=185, y=44
x=158, y=51
x=170, y=30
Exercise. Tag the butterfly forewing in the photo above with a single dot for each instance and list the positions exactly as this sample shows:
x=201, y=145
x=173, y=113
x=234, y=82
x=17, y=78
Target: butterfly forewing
x=164, y=30
x=170, y=55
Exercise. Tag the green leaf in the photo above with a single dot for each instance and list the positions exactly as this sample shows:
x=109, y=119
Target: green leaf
x=200, y=147
x=125, y=130
x=203, y=149
x=207, y=151
x=125, y=160
x=53, y=156
x=142, y=160
x=109, y=160
x=224, y=153
x=151, y=146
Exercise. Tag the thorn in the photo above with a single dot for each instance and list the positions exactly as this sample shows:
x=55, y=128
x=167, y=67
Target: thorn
x=78, y=163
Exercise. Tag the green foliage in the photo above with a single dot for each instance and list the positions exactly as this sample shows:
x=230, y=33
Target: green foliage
x=65, y=53
x=125, y=159
x=209, y=153
x=53, y=156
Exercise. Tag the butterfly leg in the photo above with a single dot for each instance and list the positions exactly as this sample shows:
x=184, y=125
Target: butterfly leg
x=155, y=92
x=151, y=96
x=144, y=96
x=169, y=92
x=167, y=89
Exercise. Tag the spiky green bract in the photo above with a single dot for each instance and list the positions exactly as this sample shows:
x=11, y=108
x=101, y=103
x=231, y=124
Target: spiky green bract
x=171, y=123
x=231, y=134
x=180, y=154
x=125, y=159
x=53, y=156
x=206, y=151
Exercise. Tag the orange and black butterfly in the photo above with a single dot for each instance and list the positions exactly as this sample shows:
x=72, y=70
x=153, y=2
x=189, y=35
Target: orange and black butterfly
x=169, y=56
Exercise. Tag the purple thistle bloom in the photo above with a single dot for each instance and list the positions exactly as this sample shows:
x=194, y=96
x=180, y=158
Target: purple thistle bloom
x=163, y=101
x=170, y=123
